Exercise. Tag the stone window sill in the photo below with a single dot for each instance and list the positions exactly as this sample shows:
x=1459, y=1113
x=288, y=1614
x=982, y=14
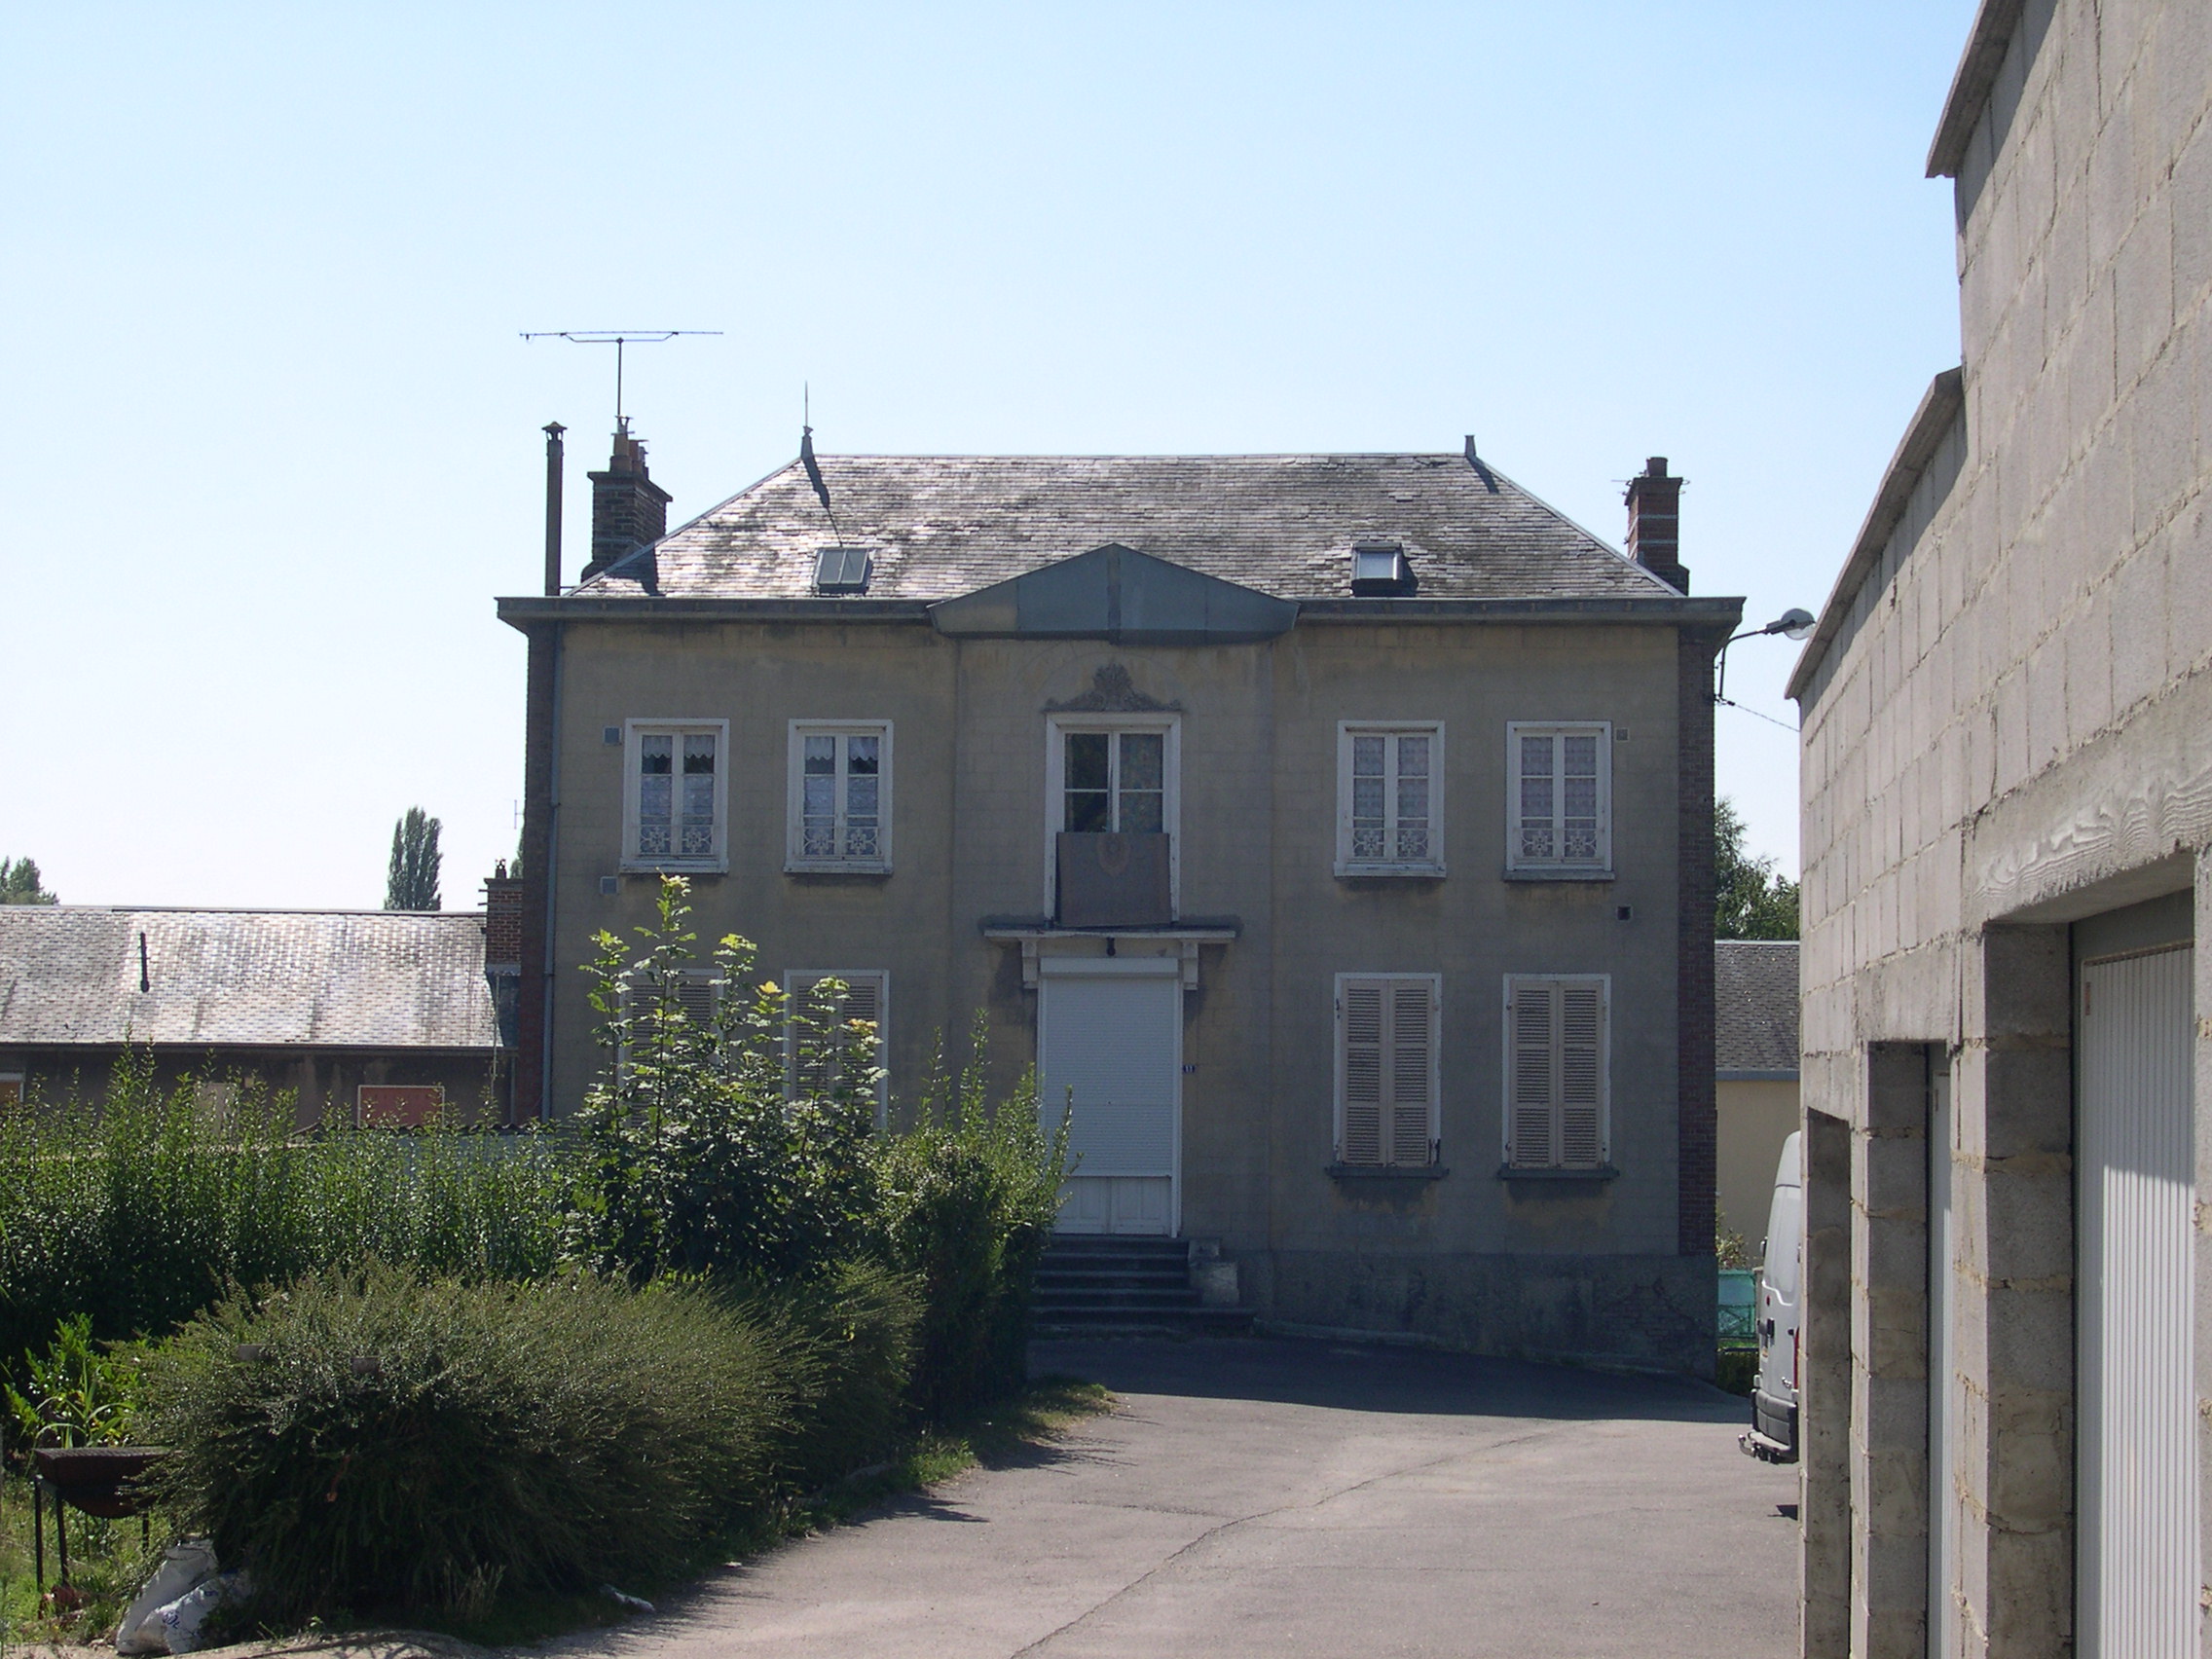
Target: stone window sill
x=1385, y=1172
x=1559, y=1177
x=675, y=867
x=1533, y=874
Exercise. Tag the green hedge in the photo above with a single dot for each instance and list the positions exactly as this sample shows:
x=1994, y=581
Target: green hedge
x=137, y=1214
x=388, y=1442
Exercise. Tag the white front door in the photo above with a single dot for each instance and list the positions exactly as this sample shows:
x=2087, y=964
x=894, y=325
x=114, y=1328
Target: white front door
x=1110, y=1047
x=2135, y=1441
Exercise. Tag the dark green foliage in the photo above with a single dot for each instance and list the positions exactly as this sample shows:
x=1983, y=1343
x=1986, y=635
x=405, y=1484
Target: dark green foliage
x=411, y=882
x=386, y=1442
x=700, y=1153
x=968, y=1201
x=137, y=1214
x=710, y=1148
x=19, y=883
x=845, y=1344
x=1750, y=898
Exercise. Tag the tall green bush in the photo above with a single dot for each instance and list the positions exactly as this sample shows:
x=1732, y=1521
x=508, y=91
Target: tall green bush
x=385, y=1441
x=966, y=1201
x=136, y=1214
x=713, y=1143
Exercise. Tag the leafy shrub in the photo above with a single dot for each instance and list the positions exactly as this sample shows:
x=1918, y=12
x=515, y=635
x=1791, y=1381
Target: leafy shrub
x=700, y=1153
x=137, y=1214
x=968, y=1197
x=74, y=1394
x=381, y=1440
x=846, y=1346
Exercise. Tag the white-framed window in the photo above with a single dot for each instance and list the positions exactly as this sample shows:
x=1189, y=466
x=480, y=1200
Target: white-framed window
x=1391, y=799
x=1112, y=773
x=1559, y=797
x=12, y=1086
x=839, y=797
x=1558, y=1070
x=676, y=794
x=1386, y=1069
x=868, y=996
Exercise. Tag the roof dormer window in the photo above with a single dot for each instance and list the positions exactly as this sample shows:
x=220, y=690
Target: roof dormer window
x=841, y=569
x=1379, y=568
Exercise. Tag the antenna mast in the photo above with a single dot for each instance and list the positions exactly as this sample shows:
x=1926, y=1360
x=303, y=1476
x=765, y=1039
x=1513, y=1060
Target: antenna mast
x=618, y=338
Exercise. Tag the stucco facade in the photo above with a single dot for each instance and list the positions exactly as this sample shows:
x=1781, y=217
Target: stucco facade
x=1574, y=1264
x=2006, y=752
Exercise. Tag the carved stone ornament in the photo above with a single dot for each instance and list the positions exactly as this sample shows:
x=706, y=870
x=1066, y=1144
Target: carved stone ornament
x=1112, y=693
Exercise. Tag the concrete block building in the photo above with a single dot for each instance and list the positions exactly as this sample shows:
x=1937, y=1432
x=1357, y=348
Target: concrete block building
x=2008, y=806
x=1335, y=831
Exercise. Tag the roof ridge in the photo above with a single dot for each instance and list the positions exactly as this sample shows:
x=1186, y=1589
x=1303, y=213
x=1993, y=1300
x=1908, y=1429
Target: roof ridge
x=230, y=910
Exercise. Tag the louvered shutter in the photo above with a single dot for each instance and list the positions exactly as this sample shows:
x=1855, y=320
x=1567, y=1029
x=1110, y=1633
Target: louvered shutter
x=1411, y=1035
x=1530, y=1105
x=1556, y=1090
x=1360, y=1022
x=1387, y=1066
x=864, y=999
x=698, y=995
x=1582, y=1072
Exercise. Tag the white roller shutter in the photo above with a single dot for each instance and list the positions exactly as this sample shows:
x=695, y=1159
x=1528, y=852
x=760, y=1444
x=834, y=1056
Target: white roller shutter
x=2137, y=1495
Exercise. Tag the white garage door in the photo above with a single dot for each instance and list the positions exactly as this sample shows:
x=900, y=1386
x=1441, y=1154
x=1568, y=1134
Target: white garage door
x=1110, y=1035
x=2136, y=1489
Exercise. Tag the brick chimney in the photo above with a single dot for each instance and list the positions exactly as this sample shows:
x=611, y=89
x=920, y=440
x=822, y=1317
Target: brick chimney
x=503, y=921
x=628, y=509
x=1654, y=523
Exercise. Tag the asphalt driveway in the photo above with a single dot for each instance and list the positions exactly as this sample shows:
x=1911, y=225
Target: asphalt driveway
x=1288, y=1499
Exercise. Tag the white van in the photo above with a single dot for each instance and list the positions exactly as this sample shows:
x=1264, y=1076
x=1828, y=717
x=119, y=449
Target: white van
x=1773, y=1434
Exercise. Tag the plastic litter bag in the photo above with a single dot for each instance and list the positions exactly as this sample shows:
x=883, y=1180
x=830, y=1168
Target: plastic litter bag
x=188, y=1563
x=181, y=1619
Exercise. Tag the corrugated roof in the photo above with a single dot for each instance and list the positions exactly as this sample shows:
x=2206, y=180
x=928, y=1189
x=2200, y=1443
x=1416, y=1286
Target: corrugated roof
x=940, y=525
x=1755, y=1002
x=335, y=979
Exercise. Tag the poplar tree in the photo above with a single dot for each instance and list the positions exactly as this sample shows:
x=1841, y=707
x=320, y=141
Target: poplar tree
x=412, y=883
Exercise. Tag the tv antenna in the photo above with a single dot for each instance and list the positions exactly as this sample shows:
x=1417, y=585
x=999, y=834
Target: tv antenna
x=618, y=338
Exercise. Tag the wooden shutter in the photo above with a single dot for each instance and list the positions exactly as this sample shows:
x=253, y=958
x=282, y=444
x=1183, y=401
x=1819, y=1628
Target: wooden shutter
x=1582, y=1072
x=1556, y=1089
x=1386, y=1034
x=1532, y=1091
x=1412, y=1021
x=864, y=999
x=1360, y=1024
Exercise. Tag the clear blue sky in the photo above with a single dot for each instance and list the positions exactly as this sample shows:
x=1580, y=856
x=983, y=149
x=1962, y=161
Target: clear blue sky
x=270, y=442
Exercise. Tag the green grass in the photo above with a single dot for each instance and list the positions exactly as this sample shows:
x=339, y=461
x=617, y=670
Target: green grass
x=106, y=1563
x=1003, y=1436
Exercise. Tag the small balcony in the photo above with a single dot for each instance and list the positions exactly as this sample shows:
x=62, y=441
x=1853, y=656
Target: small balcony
x=1113, y=880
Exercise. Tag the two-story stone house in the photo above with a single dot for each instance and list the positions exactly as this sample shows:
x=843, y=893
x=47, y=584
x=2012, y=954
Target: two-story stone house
x=1333, y=830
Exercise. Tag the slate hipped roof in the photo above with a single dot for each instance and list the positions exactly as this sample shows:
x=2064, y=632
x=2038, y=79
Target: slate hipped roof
x=245, y=978
x=1755, y=1005
x=941, y=525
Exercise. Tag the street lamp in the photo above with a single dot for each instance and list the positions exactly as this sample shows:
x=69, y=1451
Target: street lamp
x=1791, y=624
